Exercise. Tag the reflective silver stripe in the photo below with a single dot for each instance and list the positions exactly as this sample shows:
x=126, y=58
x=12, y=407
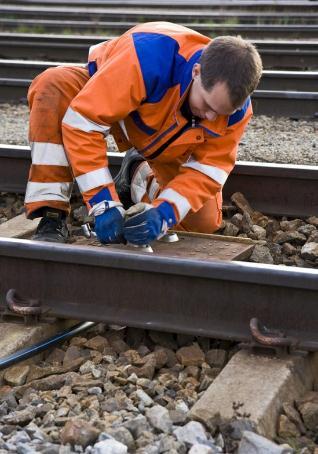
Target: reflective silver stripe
x=36, y=192
x=138, y=185
x=50, y=154
x=78, y=121
x=217, y=174
x=94, y=47
x=153, y=189
x=123, y=128
x=180, y=202
x=93, y=179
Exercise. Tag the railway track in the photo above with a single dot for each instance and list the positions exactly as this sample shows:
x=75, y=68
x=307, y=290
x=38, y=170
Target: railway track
x=145, y=14
x=295, y=104
x=271, y=79
x=260, y=5
x=72, y=48
x=286, y=190
x=251, y=31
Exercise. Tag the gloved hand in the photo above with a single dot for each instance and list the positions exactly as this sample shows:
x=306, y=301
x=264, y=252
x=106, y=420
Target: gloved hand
x=145, y=223
x=109, y=219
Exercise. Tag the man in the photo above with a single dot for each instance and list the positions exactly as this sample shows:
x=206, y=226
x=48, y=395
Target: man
x=179, y=101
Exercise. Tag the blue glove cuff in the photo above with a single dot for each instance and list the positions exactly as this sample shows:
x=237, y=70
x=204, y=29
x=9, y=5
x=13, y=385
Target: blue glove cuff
x=103, y=194
x=167, y=212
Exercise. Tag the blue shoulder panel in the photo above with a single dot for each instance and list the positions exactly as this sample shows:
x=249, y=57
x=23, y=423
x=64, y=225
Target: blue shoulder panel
x=161, y=64
x=239, y=114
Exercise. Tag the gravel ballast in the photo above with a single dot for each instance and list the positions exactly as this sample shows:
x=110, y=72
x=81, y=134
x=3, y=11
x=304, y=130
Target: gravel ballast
x=267, y=139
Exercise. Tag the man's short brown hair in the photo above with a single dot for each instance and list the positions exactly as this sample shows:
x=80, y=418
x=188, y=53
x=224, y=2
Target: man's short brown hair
x=235, y=61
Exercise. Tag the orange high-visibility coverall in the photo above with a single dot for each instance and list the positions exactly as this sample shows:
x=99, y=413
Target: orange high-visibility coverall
x=138, y=84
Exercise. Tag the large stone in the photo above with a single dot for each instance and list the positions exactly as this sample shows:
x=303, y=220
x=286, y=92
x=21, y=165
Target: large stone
x=191, y=356
x=79, y=432
x=73, y=352
x=287, y=428
x=198, y=448
x=216, y=357
x=137, y=425
x=261, y=254
x=230, y=229
x=109, y=446
x=308, y=408
x=159, y=418
x=252, y=443
x=293, y=237
x=309, y=251
x=16, y=375
x=122, y=435
x=272, y=380
x=20, y=417
x=164, y=339
x=191, y=433
x=241, y=203
x=294, y=416
x=291, y=225
x=313, y=220
x=97, y=343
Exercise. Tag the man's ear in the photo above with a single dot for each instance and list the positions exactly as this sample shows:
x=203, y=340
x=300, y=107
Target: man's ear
x=196, y=70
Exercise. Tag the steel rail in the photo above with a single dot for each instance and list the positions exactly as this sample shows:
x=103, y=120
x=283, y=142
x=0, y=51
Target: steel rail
x=147, y=15
x=214, y=299
x=74, y=48
x=260, y=5
x=275, y=189
x=271, y=80
x=245, y=30
x=295, y=104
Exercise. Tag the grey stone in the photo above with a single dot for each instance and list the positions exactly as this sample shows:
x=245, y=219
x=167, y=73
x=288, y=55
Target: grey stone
x=261, y=254
x=122, y=435
x=147, y=401
x=293, y=237
x=198, y=448
x=307, y=229
x=230, y=229
x=25, y=448
x=3, y=409
x=16, y=375
x=191, y=433
x=137, y=425
x=20, y=437
x=235, y=428
x=109, y=446
x=159, y=418
x=35, y=432
x=252, y=443
x=310, y=251
x=216, y=357
x=168, y=443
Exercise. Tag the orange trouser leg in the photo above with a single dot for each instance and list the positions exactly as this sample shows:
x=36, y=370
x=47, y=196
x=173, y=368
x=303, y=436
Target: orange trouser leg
x=145, y=188
x=207, y=220
x=50, y=178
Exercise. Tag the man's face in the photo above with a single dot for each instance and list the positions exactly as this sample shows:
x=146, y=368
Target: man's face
x=207, y=105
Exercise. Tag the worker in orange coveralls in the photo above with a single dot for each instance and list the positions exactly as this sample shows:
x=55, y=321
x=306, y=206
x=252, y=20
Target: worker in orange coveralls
x=178, y=100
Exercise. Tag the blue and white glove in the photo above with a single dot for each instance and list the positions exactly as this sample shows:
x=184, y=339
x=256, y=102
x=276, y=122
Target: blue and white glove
x=109, y=217
x=145, y=223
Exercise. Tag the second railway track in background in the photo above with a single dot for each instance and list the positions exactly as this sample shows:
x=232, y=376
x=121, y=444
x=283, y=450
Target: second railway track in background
x=291, y=93
x=74, y=48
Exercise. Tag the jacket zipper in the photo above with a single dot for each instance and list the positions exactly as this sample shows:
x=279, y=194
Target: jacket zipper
x=190, y=124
